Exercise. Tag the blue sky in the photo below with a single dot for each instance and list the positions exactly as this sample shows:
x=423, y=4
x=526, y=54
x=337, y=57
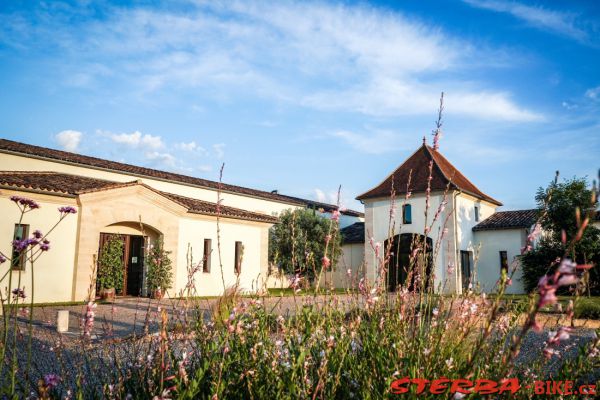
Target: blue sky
x=305, y=96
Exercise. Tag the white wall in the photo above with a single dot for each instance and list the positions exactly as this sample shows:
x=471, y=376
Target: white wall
x=54, y=270
x=193, y=231
x=351, y=258
x=488, y=265
x=377, y=226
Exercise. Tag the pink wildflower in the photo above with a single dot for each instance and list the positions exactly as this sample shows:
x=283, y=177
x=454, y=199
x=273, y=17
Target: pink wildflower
x=326, y=262
x=335, y=215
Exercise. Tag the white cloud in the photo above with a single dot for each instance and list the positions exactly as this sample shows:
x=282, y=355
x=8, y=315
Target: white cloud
x=219, y=150
x=138, y=140
x=562, y=23
x=351, y=58
x=320, y=195
x=393, y=97
x=69, y=140
x=163, y=159
x=593, y=93
x=372, y=141
x=190, y=147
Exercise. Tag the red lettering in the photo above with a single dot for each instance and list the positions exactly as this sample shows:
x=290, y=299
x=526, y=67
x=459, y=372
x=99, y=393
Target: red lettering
x=397, y=385
x=556, y=387
x=539, y=387
x=587, y=389
x=461, y=386
x=568, y=387
x=485, y=386
x=421, y=384
x=509, y=385
x=439, y=386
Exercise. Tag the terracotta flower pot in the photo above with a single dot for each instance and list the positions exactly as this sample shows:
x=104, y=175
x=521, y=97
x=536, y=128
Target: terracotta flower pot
x=157, y=294
x=108, y=295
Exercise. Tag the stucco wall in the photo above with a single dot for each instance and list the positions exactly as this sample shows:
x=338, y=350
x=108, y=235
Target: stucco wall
x=53, y=275
x=459, y=235
x=488, y=265
x=11, y=162
x=351, y=259
x=377, y=226
x=193, y=231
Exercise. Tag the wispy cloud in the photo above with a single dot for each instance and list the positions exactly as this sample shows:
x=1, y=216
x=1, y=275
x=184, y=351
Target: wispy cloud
x=357, y=59
x=593, y=93
x=69, y=140
x=219, y=150
x=372, y=141
x=137, y=140
x=162, y=159
x=558, y=22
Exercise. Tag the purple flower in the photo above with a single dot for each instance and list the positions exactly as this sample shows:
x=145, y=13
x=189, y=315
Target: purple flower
x=20, y=245
x=2, y=259
x=67, y=210
x=26, y=203
x=45, y=246
x=51, y=380
x=38, y=234
x=19, y=293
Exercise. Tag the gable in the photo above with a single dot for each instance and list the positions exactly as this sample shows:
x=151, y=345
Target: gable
x=413, y=175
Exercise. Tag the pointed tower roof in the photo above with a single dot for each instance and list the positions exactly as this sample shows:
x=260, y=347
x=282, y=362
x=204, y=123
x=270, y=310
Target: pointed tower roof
x=443, y=173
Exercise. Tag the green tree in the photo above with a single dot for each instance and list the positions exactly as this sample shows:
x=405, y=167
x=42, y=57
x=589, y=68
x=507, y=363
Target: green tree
x=557, y=207
x=160, y=268
x=110, y=264
x=298, y=243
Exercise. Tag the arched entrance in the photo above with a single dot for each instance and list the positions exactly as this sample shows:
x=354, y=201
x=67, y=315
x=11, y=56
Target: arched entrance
x=400, y=248
x=136, y=240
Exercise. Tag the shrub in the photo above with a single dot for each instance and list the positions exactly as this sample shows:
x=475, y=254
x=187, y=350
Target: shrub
x=110, y=264
x=160, y=268
x=587, y=308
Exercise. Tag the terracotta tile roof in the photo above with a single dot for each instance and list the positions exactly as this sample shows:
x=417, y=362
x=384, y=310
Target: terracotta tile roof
x=443, y=173
x=195, y=206
x=55, y=182
x=354, y=233
x=508, y=220
x=73, y=158
x=74, y=185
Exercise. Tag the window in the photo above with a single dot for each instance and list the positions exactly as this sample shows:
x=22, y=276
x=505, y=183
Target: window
x=465, y=268
x=206, y=256
x=18, y=258
x=239, y=250
x=476, y=213
x=406, y=214
x=503, y=261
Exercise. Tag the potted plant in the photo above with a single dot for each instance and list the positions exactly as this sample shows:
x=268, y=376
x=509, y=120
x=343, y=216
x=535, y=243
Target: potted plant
x=160, y=270
x=111, y=268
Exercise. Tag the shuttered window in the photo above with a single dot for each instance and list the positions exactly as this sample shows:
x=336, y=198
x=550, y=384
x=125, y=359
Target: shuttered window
x=207, y=255
x=239, y=249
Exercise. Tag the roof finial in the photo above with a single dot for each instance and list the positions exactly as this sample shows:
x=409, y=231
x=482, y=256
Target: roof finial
x=424, y=140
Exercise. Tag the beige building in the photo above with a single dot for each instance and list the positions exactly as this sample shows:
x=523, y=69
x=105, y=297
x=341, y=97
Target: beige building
x=141, y=205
